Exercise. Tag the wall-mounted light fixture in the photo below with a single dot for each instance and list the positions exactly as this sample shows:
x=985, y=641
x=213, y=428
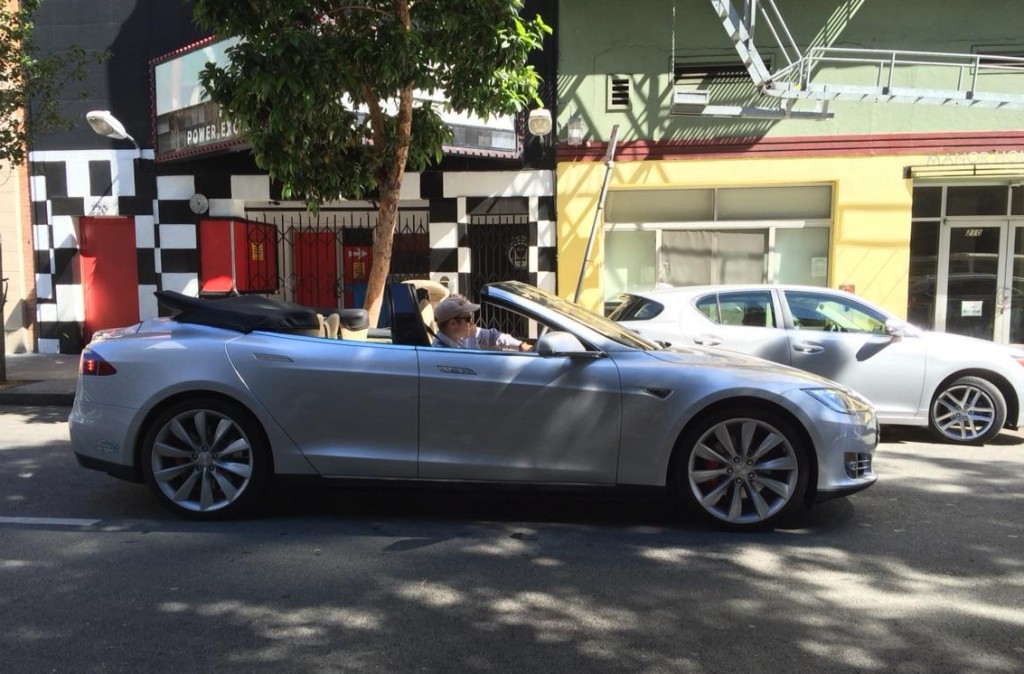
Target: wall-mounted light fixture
x=105, y=124
x=575, y=129
x=539, y=122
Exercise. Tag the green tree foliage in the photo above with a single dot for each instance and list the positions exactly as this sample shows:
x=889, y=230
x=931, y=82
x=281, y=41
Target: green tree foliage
x=305, y=69
x=31, y=82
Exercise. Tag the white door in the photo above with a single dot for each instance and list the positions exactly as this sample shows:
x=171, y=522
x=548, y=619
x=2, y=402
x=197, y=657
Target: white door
x=839, y=338
x=972, y=290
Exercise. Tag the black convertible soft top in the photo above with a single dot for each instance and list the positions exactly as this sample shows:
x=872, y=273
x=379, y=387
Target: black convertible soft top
x=244, y=313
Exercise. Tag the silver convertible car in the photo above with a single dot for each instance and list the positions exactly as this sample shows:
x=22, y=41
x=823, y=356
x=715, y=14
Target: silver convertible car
x=209, y=406
x=966, y=389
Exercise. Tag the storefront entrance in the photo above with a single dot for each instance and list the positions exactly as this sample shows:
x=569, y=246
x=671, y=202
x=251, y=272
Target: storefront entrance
x=967, y=261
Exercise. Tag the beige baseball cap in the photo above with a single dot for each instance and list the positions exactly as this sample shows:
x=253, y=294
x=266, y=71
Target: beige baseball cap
x=453, y=306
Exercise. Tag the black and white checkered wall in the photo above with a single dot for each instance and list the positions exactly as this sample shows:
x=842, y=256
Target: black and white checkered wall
x=66, y=186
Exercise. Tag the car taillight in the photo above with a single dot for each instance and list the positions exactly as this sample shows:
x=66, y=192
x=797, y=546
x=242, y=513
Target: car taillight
x=91, y=364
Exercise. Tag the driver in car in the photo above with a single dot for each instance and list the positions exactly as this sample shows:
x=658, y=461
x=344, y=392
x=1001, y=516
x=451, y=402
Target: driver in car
x=457, y=329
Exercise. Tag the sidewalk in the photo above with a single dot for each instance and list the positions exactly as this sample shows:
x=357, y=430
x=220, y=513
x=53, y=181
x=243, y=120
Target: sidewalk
x=39, y=379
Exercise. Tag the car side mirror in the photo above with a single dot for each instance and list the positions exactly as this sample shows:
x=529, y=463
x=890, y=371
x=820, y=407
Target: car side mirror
x=895, y=327
x=557, y=343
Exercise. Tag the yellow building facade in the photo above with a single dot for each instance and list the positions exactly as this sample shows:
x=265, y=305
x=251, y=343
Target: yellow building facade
x=869, y=239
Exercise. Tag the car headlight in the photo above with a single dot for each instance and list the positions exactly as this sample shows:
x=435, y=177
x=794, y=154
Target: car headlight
x=838, y=400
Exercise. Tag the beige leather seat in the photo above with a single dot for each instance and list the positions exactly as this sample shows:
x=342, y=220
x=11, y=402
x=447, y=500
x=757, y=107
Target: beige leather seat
x=323, y=325
x=333, y=322
x=355, y=323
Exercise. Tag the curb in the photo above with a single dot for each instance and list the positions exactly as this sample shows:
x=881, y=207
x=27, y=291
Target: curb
x=25, y=399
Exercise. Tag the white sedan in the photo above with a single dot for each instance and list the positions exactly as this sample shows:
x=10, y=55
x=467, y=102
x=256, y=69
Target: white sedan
x=965, y=389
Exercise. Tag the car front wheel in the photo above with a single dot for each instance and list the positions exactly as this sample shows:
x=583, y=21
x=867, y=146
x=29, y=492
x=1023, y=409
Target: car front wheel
x=742, y=470
x=969, y=410
x=206, y=459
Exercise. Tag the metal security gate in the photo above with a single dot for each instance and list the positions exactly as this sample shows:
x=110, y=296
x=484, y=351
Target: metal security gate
x=499, y=251
x=324, y=261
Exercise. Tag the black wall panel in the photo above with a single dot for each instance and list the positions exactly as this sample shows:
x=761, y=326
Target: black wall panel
x=133, y=32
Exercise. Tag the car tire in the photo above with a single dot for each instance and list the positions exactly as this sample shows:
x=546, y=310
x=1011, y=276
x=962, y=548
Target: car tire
x=206, y=459
x=741, y=469
x=967, y=411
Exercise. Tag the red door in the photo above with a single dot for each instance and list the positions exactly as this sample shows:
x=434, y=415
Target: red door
x=316, y=269
x=110, y=275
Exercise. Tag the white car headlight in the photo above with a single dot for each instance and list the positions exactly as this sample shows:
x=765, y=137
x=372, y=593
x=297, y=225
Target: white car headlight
x=838, y=400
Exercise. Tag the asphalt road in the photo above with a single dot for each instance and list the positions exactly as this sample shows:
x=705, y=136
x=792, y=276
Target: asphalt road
x=922, y=573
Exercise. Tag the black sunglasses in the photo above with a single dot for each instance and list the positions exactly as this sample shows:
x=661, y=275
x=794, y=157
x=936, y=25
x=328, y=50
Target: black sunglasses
x=463, y=319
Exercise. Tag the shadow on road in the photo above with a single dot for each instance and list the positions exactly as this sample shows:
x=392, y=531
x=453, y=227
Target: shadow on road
x=915, y=434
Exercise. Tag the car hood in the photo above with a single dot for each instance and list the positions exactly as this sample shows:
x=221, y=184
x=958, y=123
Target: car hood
x=948, y=340
x=741, y=363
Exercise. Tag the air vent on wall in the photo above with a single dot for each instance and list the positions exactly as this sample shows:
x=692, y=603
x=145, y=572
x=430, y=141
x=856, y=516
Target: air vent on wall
x=619, y=87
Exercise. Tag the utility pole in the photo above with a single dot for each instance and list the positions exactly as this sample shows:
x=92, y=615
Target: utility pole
x=3, y=323
x=609, y=162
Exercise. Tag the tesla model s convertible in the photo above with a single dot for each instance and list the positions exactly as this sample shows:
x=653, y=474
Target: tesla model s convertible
x=210, y=405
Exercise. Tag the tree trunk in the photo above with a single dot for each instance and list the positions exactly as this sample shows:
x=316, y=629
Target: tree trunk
x=389, y=182
x=383, y=243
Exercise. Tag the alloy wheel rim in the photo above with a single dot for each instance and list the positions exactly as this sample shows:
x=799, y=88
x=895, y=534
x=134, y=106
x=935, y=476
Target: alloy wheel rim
x=202, y=460
x=964, y=413
x=743, y=471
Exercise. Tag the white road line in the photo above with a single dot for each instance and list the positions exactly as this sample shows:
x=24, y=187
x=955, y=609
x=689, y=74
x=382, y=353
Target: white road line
x=53, y=521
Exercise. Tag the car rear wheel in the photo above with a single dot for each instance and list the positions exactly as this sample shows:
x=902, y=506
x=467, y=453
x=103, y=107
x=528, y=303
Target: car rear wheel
x=742, y=469
x=206, y=459
x=969, y=410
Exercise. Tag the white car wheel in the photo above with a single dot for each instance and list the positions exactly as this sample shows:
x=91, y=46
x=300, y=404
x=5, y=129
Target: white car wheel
x=970, y=410
x=745, y=469
x=206, y=459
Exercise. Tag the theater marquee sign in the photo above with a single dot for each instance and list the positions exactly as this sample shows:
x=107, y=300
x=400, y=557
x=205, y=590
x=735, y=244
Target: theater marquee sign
x=185, y=124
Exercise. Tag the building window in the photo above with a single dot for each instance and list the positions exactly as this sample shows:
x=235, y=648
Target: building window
x=977, y=200
x=712, y=236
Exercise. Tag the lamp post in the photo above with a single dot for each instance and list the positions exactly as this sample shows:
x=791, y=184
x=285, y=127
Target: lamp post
x=105, y=124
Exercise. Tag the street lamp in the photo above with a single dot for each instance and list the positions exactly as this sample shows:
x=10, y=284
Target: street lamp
x=575, y=129
x=539, y=122
x=105, y=124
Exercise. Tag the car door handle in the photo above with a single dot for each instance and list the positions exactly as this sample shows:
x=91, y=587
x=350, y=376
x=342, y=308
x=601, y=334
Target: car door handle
x=451, y=369
x=707, y=340
x=808, y=347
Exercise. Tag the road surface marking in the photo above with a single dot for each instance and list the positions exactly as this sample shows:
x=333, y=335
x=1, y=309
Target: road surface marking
x=54, y=521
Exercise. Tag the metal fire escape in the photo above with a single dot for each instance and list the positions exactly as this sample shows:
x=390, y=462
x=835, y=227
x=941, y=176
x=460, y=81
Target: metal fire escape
x=799, y=77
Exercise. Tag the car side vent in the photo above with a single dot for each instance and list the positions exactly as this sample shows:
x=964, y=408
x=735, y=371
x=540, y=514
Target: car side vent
x=619, y=89
x=659, y=393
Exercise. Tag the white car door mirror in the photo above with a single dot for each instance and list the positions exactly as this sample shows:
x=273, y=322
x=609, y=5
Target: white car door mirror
x=895, y=327
x=557, y=343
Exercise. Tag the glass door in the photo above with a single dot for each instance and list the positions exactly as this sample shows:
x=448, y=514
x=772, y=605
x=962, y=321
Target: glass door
x=1013, y=288
x=972, y=281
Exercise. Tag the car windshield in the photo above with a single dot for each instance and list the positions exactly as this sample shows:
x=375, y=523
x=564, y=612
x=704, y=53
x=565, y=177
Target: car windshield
x=599, y=324
x=635, y=308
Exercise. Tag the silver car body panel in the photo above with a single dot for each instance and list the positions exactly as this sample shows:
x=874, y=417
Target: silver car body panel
x=488, y=415
x=342, y=408
x=899, y=375
x=305, y=383
x=660, y=401
x=162, y=360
